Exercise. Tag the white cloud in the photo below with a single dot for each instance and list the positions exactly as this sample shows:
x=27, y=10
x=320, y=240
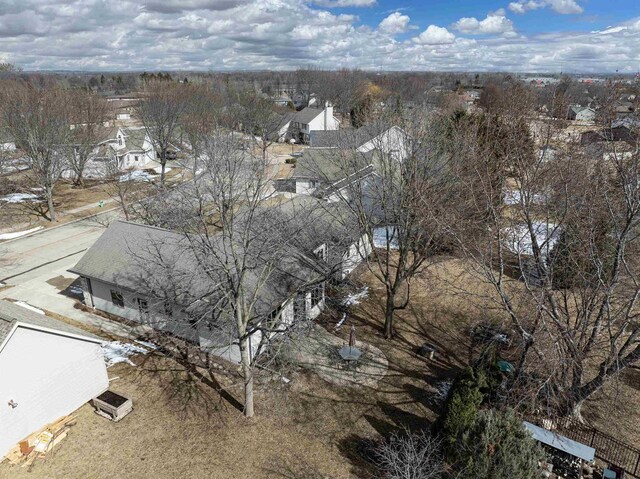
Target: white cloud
x=495, y=23
x=565, y=7
x=345, y=3
x=435, y=35
x=279, y=35
x=394, y=23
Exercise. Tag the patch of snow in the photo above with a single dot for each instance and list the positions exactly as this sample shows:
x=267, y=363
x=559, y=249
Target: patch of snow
x=136, y=176
x=117, y=352
x=514, y=197
x=383, y=234
x=356, y=298
x=21, y=198
x=147, y=344
x=518, y=239
x=29, y=307
x=17, y=234
x=342, y=320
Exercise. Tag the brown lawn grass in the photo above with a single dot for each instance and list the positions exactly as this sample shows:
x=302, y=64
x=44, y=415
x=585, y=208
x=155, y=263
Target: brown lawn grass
x=187, y=423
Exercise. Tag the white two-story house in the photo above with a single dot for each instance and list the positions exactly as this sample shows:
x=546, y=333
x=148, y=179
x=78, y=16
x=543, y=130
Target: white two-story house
x=299, y=126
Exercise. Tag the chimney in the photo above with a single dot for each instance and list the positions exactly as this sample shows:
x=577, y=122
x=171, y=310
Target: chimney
x=328, y=113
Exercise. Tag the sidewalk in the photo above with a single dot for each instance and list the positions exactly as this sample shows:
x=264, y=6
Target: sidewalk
x=64, y=217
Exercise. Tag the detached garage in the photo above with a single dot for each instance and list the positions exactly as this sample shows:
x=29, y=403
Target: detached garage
x=48, y=369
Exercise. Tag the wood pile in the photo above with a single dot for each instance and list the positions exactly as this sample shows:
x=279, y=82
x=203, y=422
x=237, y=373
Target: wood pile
x=40, y=443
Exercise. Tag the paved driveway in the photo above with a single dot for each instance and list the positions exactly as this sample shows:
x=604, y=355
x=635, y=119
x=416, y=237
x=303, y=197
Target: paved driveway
x=34, y=269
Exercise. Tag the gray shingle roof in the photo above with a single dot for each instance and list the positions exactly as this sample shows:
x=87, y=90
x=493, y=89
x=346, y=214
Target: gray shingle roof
x=323, y=164
x=165, y=264
x=11, y=313
x=306, y=115
x=348, y=138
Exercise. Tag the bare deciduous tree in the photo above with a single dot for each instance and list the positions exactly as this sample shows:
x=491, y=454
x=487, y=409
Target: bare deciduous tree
x=160, y=111
x=246, y=251
x=399, y=194
x=39, y=120
x=409, y=455
x=567, y=228
x=88, y=112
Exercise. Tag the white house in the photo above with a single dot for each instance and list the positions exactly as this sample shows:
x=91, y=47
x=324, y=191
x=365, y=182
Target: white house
x=391, y=140
x=579, y=113
x=48, y=370
x=131, y=147
x=300, y=125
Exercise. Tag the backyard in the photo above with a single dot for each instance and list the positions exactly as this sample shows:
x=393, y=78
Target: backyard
x=187, y=420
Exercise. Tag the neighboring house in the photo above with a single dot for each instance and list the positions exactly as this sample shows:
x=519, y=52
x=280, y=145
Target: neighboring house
x=48, y=370
x=7, y=141
x=321, y=172
x=133, y=147
x=389, y=140
x=625, y=129
x=300, y=125
x=580, y=113
x=123, y=275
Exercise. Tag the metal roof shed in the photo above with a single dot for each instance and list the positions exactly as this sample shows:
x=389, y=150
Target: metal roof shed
x=561, y=443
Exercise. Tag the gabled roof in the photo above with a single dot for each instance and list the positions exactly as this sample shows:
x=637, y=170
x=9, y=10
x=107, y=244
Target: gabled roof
x=154, y=262
x=307, y=115
x=134, y=138
x=348, y=138
x=320, y=163
x=13, y=316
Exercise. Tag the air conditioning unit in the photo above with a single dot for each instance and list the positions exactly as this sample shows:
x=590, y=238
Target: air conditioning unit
x=113, y=406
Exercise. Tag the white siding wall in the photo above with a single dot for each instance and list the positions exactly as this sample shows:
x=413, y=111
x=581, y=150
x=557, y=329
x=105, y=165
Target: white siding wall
x=101, y=299
x=394, y=140
x=176, y=324
x=49, y=376
x=356, y=253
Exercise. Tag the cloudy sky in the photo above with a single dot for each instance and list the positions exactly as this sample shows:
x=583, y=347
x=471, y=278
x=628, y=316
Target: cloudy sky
x=518, y=35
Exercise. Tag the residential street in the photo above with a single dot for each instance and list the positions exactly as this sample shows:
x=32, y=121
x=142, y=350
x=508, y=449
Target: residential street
x=34, y=268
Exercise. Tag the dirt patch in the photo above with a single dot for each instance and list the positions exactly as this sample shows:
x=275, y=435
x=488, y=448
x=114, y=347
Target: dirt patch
x=60, y=282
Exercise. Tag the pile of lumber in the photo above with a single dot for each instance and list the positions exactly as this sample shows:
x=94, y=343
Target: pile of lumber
x=40, y=443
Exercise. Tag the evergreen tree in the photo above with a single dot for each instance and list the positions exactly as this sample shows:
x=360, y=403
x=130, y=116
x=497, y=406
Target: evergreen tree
x=497, y=446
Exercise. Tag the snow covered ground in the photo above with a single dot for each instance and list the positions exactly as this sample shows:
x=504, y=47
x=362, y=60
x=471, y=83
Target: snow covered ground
x=518, y=238
x=17, y=234
x=383, y=234
x=20, y=198
x=137, y=175
x=118, y=352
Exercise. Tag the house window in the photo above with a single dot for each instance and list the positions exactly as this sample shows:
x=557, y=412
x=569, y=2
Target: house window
x=117, y=298
x=317, y=294
x=119, y=141
x=143, y=306
x=321, y=252
x=135, y=158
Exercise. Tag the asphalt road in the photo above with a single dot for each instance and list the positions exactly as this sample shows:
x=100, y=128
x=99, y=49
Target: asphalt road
x=34, y=269
x=23, y=259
